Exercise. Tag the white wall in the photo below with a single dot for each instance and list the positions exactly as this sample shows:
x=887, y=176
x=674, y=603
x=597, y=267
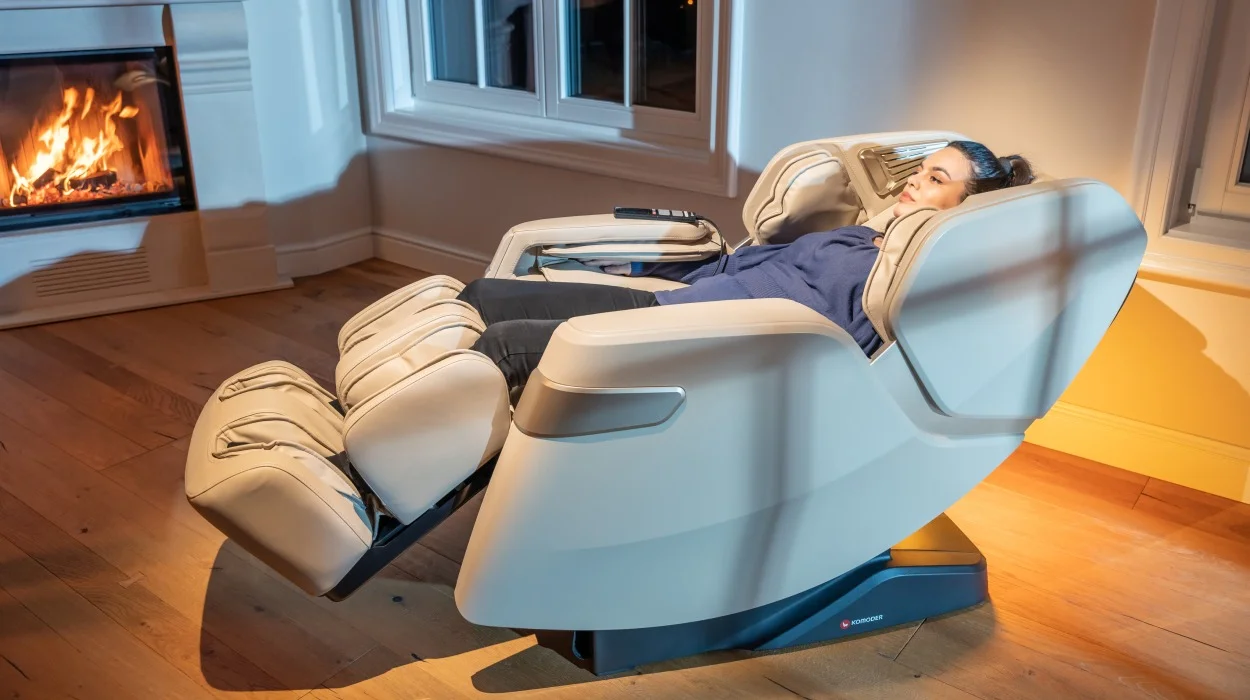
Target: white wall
x=1058, y=81
x=308, y=104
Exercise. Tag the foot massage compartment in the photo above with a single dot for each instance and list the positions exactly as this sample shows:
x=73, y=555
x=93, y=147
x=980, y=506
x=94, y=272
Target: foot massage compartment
x=737, y=473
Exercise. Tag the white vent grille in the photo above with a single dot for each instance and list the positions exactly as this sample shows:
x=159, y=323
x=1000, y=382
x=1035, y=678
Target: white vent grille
x=90, y=272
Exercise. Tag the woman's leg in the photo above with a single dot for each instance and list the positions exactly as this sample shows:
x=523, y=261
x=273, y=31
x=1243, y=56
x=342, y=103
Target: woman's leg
x=516, y=347
x=522, y=315
x=512, y=300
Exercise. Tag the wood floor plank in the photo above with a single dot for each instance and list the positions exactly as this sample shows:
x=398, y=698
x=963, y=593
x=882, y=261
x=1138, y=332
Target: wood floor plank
x=384, y=675
x=111, y=372
x=176, y=638
x=388, y=273
x=158, y=478
x=1102, y=560
x=36, y=662
x=997, y=654
x=346, y=291
x=75, y=387
x=103, y=336
x=281, y=631
x=424, y=564
x=1164, y=663
x=1055, y=477
x=114, y=652
x=300, y=319
x=1203, y=512
x=413, y=617
x=851, y=669
x=317, y=362
x=182, y=348
x=77, y=433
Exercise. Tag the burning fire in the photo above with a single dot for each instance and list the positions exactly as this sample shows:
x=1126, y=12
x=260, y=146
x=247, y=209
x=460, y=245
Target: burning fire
x=74, y=154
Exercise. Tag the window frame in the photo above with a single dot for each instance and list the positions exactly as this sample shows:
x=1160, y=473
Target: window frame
x=1219, y=194
x=1183, y=246
x=689, y=151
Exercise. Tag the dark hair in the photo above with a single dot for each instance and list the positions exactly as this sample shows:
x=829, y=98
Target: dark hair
x=990, y=172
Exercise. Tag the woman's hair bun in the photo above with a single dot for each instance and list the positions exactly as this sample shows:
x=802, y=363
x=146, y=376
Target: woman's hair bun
x=990, y=172
x=1018, y=170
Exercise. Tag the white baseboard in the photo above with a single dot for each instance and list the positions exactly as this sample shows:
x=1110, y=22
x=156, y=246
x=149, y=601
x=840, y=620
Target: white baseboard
x=426, y=255
x=130, y=302
x=1170, y=455
x=316, y=257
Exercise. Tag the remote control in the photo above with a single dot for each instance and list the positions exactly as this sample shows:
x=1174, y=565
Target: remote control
x=688, y=217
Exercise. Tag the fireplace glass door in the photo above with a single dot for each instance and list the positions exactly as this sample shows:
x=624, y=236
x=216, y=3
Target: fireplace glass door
x=91, y=136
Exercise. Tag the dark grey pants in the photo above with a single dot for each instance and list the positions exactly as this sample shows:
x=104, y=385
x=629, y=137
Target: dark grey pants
x=521, y=316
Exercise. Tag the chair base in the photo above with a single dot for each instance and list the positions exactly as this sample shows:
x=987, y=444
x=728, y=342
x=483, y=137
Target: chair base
x=937, y=570
x=393, y=538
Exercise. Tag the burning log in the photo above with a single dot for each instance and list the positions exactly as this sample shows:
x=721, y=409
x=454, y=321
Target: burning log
x=98, y=181
x=45, y=179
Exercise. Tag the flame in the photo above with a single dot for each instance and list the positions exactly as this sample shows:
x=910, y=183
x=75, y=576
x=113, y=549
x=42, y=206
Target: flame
x=66, y=151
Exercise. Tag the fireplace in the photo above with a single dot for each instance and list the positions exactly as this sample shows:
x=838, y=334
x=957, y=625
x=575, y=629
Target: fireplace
x=91, y=136
x=131, y=168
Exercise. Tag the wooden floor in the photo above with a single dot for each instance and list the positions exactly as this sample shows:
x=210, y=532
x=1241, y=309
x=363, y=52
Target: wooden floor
x=1105, y=584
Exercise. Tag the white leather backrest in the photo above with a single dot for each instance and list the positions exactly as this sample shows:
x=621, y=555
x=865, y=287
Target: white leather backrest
x=828, y=183
x=997, y=303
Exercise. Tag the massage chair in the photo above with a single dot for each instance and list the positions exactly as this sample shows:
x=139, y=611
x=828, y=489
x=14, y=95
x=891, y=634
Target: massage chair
x=680, y=479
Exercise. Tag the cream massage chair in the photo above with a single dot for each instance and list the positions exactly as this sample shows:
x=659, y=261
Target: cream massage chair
x=674, y=480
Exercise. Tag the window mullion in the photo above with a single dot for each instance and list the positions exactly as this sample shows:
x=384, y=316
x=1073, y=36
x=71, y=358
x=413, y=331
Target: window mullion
x=479, y=17
x=553, y=62
x=627, y=73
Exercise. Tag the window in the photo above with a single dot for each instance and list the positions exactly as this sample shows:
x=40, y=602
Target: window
x=1191, y=190
x=1220, y=201
x=638, y=89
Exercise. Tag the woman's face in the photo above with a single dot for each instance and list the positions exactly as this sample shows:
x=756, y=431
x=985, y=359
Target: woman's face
x=940, y=183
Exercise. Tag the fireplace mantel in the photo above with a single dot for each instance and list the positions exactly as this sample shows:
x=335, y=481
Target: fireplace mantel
x=225, y=247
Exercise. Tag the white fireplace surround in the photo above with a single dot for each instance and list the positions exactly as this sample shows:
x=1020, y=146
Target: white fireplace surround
x=221, y=249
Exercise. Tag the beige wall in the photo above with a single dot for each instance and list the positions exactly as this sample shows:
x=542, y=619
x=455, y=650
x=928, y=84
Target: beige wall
x=308, y=106
x=1177, y=357
x=1167, y=393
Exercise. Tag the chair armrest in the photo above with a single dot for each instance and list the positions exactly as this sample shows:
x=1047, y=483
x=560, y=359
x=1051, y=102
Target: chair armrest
x=601, y=237
x=686, y=344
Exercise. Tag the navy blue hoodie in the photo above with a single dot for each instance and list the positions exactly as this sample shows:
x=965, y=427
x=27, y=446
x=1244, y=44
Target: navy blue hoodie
x=824, y=271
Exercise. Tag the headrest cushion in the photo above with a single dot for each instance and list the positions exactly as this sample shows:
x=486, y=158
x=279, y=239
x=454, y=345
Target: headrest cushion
x=805, y=188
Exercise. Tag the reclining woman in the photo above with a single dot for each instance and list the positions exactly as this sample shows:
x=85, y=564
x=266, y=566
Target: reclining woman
x=825, y=271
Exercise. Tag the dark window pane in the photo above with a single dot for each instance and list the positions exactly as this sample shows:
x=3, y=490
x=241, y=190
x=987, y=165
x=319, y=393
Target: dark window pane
x=510, y=44
x=1245, y=164
x=666, y=54
x=596, y=48
x=453, y=40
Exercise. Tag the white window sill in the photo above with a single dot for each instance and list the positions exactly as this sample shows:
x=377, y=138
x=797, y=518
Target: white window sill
x=1209, y=252
x=687, y=164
